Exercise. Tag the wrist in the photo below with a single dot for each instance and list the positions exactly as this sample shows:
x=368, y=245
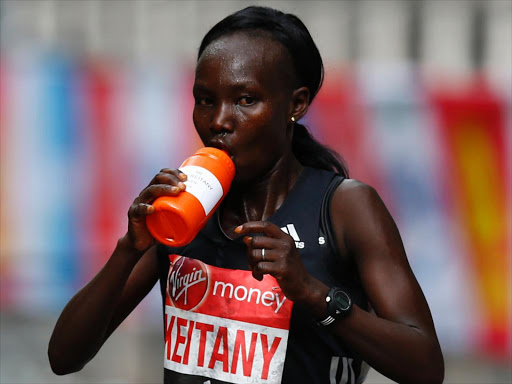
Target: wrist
x=314, y=298
x=126, y=247
x=339, y=305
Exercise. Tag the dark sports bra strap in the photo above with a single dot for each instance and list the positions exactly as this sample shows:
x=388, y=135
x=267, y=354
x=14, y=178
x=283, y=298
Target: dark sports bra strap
x=325, y=214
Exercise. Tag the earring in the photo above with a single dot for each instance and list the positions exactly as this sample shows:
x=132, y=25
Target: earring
x=293, y=119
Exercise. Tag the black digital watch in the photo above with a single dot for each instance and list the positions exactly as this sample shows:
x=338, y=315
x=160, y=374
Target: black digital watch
x=339, y=305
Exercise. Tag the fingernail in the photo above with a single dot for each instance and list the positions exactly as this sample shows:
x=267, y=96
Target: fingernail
x=151, y=209
x=238, y=229
x=183, y=176
x=181, y=185
x=175, y=189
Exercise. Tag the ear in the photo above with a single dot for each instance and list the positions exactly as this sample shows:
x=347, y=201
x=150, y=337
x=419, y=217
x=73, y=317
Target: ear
x=299, y=104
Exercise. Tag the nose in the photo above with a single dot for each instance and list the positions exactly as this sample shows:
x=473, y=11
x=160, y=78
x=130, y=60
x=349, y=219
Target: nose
x=222, y=120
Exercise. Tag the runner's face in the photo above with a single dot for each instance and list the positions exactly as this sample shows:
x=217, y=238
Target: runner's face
x=242, y=92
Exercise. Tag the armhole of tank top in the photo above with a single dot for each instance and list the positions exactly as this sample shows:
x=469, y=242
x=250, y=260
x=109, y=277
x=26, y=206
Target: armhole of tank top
x=162, y=267
x=325, y=215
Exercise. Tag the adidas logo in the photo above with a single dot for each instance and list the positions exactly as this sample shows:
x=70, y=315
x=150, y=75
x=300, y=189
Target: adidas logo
x=290, y=230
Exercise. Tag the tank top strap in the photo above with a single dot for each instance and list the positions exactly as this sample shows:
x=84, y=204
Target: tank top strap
x=299, y=215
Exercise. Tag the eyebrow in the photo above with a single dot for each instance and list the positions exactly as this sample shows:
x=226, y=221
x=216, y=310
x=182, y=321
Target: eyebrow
x=239, y=85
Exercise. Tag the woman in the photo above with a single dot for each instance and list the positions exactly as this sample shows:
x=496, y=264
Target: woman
x=288, y=231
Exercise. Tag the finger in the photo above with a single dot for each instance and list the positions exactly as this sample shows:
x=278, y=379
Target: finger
x=265, y=242
x=247, y=240
x=167, y=178
x=254, y=256
x=262, y=268
x=250, y=260
x=258, y=255
x=154, y=191
x=140, y=210
x=171, y=179
x=182, y=176
x=255, y=246
x=266, y=227
x=257, y=276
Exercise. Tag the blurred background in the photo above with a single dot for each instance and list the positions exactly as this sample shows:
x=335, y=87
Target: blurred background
x=95, y=98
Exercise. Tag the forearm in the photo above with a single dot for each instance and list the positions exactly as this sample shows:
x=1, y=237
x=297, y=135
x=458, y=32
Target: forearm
x=399, y=351
x=83, y=325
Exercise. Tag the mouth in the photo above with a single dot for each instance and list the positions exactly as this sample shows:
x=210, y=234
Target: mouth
x=219, y=144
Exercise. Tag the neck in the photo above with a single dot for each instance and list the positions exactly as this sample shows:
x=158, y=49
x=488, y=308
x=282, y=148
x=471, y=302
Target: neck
x=259, y=199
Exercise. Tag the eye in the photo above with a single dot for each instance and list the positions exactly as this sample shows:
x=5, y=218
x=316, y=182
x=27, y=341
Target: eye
x=205, y=101
x=246, y=100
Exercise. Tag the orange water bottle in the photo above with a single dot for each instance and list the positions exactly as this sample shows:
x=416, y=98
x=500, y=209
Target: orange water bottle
x=177, y=219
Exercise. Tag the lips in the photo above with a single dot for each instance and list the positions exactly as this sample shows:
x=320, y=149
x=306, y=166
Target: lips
x=219, y=144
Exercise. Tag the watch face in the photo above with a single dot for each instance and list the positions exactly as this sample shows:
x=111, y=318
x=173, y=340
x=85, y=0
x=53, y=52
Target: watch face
x=342, y=300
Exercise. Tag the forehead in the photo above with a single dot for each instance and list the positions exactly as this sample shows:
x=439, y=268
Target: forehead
x=243, y=57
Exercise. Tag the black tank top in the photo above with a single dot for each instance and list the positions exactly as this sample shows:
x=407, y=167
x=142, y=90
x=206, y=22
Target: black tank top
x=313, y=354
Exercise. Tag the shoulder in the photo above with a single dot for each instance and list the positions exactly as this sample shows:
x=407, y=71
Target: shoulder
x=354, y=186
x=360, y=217
x=353, y=195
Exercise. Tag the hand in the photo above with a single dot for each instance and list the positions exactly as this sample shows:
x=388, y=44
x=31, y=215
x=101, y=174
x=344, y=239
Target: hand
x=168, y=182
x=282, y=260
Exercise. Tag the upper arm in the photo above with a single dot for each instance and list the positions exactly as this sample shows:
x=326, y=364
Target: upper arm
x=367, y=232
x=140, y=282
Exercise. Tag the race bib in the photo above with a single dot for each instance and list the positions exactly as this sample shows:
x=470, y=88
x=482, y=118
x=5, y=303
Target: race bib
x=223, y=324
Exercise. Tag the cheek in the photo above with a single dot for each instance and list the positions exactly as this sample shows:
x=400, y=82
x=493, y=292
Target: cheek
x=200, y=123
x=264, y=128
x=197, y=117
x=264, y=120
x=262, y=141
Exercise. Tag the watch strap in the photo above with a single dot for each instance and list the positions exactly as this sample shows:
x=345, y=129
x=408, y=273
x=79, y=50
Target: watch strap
x=334, y=312
x=327, y=321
